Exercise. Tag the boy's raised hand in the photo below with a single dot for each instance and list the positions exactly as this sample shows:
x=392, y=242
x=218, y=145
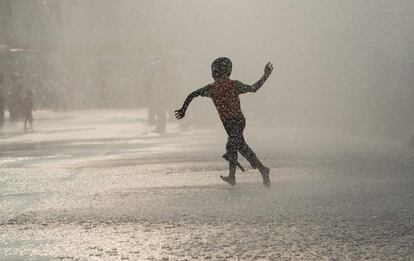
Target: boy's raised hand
x=179, y=114
x=268, y=69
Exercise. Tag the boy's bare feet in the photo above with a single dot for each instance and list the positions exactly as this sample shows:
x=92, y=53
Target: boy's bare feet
x=228, y=179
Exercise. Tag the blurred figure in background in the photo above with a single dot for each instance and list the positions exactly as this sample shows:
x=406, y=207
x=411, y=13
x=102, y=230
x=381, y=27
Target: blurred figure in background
x=149, y=73
x=15, y=100
x=154, y=84
x=2, y=102
x=158, y=77
x=161, y=96
x=28, y=109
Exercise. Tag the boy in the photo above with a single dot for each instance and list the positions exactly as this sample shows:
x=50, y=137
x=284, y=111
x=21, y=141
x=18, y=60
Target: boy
x=225, y=95
x=27, y=109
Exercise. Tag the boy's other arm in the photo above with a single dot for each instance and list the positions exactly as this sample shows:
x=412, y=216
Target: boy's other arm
x=267, y=71
x=180, y=113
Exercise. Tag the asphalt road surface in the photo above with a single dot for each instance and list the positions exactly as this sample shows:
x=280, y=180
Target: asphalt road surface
x=99, y=185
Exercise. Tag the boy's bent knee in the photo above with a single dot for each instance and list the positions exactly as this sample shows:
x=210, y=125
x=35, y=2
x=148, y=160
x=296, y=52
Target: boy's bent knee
x=230, y=156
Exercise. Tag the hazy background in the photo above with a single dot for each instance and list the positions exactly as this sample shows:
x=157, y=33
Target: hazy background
x=344, y=65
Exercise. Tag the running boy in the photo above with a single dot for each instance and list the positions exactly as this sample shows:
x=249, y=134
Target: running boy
x=225, y=95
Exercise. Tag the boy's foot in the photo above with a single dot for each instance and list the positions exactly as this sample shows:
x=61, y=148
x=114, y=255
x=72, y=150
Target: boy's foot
x=230, y=180
x=265, y=174
x=266, y=181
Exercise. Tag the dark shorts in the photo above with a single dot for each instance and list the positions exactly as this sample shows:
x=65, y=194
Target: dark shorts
x=236, y=143
x=235, y=126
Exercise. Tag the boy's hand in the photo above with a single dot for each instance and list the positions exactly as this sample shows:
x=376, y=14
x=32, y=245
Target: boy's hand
x=179, y=114
x=268, y=69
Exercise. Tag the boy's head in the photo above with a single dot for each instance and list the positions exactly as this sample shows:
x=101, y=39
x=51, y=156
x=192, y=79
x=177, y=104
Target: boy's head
x=221, y=68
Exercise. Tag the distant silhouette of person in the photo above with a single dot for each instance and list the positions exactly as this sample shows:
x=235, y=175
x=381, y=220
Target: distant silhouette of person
x=2, y=102
x=225, y=95
x=151, y=73
x=28, y=109
x=155, y=96
x=162, y=97
x=15, y=100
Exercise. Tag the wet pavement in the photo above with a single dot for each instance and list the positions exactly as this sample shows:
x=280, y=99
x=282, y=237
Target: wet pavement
x=99, y=185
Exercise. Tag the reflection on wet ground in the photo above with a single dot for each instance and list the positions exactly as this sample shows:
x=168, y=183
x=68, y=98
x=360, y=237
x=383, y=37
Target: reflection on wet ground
x=117, y=191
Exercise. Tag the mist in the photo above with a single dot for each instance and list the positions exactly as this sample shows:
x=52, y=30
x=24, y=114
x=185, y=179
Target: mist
x=338, y=65
x=95, y=165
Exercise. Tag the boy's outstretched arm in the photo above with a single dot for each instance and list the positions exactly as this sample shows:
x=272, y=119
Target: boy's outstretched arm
x=267, y=71
x=180, y=113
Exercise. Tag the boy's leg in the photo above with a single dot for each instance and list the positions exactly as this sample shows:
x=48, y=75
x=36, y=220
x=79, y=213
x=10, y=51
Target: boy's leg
x=241, y=144
x=232, y=170
x=248, y=153
x=231, y=178
x=231, y=156
x=231, y=150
